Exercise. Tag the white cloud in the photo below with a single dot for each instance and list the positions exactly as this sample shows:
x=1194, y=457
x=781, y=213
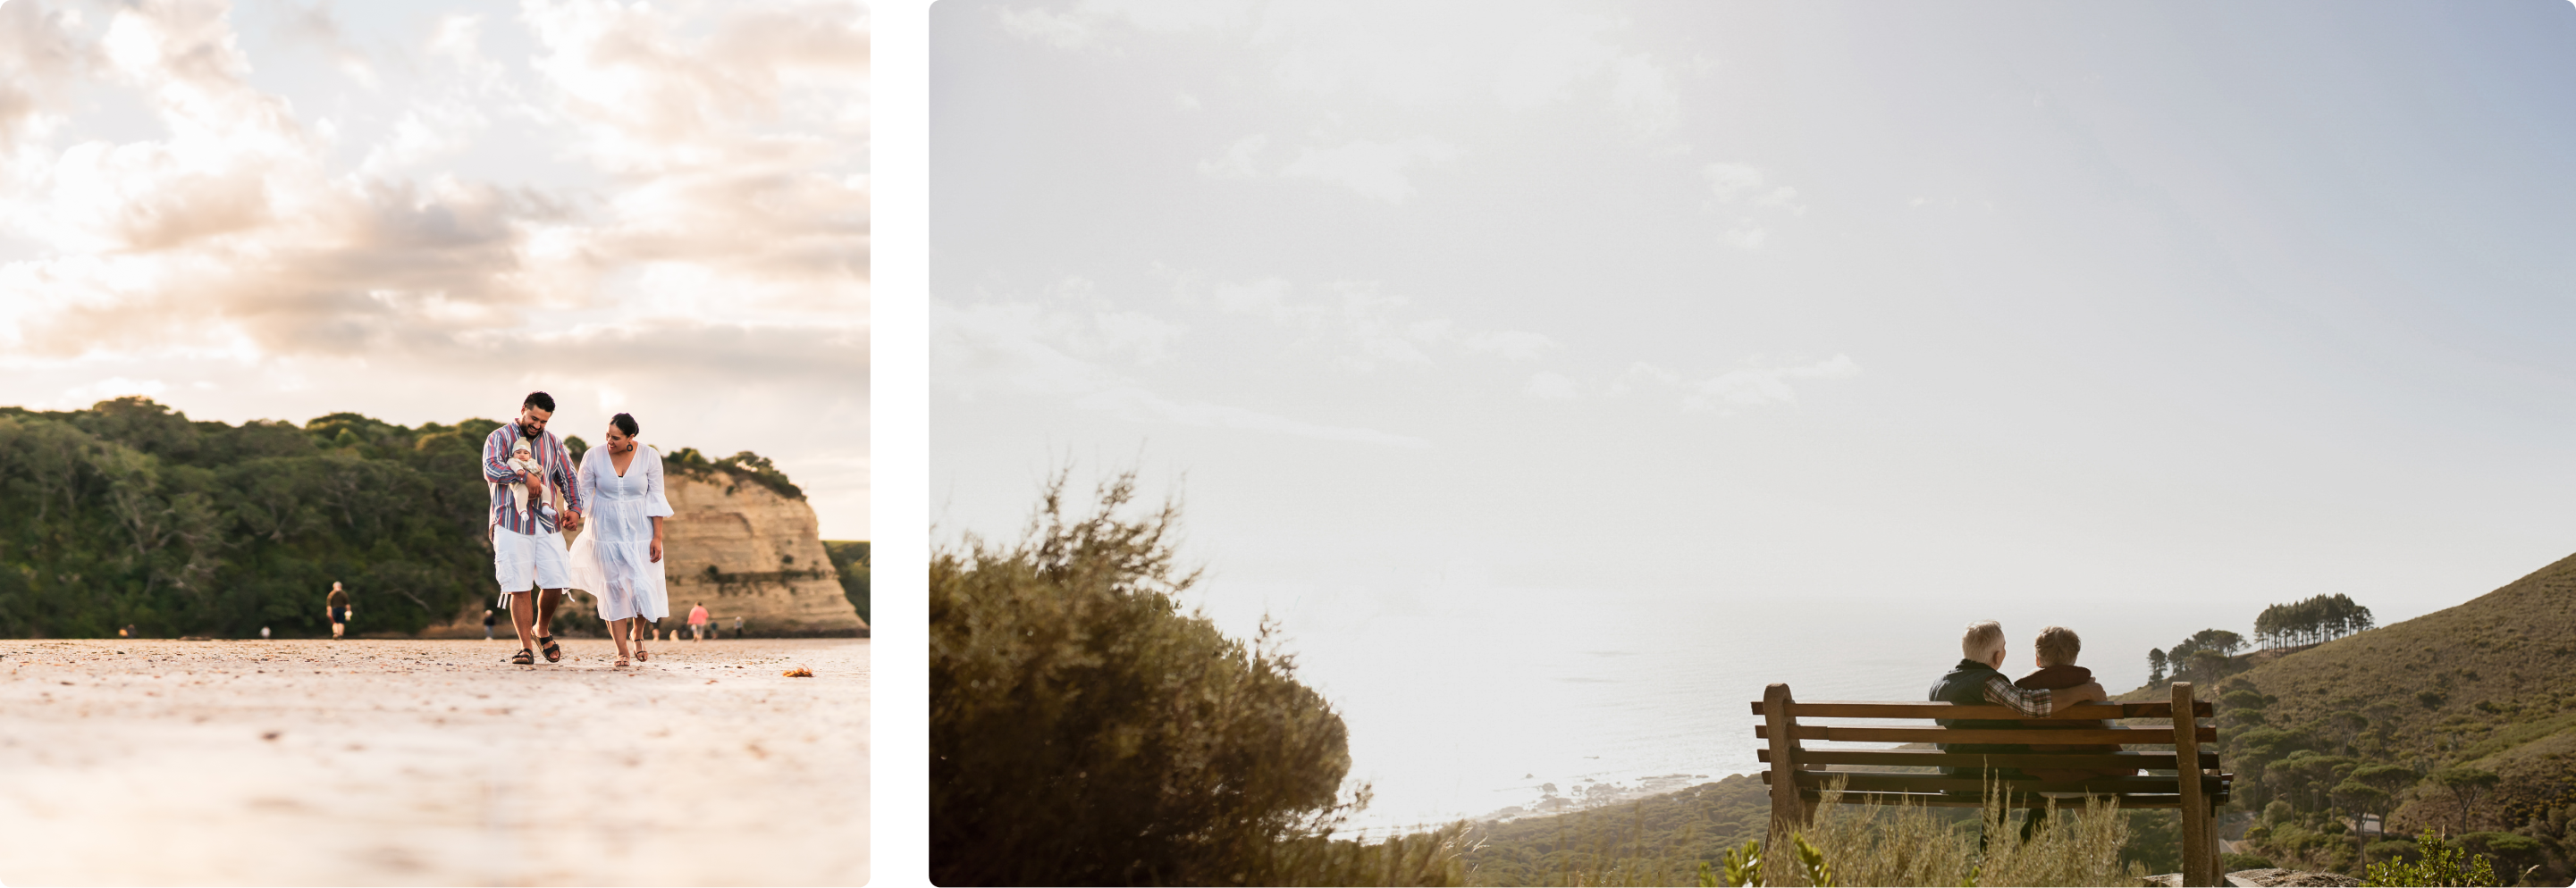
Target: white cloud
x=1737, y=183
x=1517, y=345
x=1638, y=376
x=1063, y=30
x=1551, y=387
x=1520, y=54
x=82, y=396
x=1374, y=169
x=1007, y=348
x=1641, y=93
x=1759, y=386
x=1241, y=160
x=1371, y=327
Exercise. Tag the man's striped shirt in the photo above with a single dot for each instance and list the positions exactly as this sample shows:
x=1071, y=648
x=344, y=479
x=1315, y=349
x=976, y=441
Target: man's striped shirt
x=557, y=467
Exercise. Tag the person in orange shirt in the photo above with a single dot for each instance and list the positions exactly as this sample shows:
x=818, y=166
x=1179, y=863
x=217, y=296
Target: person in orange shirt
x=698, y=622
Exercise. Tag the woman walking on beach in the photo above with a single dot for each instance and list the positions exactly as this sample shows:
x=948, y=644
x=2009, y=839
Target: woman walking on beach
x=618, y=558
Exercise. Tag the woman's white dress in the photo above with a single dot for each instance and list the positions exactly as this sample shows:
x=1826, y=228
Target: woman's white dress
x=612, y=559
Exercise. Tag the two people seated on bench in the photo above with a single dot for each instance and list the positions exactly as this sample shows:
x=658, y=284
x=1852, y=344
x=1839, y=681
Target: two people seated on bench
x=2058, y=685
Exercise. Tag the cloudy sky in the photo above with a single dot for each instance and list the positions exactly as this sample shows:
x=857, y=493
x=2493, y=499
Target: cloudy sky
x=421, y=211
x=2133, y=317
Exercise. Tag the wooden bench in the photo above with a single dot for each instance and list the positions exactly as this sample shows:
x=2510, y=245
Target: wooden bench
x=1793, y=797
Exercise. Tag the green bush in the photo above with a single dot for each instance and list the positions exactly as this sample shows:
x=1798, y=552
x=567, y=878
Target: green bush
x=850, y=560
x=2434, y=864
x=2234, y=862
x=1085, y=731
x=2391, y=849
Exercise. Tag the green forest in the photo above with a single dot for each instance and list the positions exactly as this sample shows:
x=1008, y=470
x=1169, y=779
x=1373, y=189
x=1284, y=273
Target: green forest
x=851, y=560
x=130, y=514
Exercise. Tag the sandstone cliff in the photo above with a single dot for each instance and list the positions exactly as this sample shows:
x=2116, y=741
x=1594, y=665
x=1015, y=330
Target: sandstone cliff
x=746, y=551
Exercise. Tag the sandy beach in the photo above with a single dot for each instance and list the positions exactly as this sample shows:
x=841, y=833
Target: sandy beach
x=406, y=762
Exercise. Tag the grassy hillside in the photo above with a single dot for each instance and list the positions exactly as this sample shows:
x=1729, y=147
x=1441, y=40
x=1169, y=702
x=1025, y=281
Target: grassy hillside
x=2489, y=684
x=2462, y=720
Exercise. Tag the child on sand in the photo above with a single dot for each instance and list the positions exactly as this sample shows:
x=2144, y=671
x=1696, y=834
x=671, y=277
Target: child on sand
x=2055, y=650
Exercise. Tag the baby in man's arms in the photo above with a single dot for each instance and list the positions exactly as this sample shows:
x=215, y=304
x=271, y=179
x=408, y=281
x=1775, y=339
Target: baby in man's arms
x=2056, y=650
x=522, y=458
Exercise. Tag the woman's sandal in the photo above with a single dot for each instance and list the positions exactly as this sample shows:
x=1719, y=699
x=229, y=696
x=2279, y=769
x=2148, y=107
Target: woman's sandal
x=524, y=658
x=621, y=661
x=639, y=652
x=553, y=651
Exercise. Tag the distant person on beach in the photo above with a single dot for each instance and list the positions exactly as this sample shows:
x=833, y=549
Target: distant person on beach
x=1978, y=679
x=263, y=633
x=335, y=608
x=2055, y=652
x=698, y=622
x=528, y=554
x=619, y=559
x=737, y=627
x=487, y=624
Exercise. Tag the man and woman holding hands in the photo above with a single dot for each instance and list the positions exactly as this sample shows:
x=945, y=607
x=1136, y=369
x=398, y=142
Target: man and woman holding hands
x=613, y=499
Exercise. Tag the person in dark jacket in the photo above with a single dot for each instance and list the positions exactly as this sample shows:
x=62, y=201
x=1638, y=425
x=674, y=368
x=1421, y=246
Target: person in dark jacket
x=1978, y=679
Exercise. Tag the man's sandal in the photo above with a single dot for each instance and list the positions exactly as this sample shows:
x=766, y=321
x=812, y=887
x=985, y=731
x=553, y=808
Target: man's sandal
x=523, y=658
x=553, y=651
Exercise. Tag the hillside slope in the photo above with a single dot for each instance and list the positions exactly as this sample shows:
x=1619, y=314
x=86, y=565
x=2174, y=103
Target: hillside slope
x=2490, y=683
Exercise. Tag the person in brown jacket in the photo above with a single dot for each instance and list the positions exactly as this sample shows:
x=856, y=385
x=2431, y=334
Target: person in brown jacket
x=2056, y=650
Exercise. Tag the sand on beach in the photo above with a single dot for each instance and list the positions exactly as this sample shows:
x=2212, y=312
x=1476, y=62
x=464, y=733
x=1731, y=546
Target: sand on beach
x=404, y=762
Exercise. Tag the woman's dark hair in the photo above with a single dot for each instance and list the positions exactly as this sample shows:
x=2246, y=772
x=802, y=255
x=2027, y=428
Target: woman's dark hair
x=625, y=422
x=539, y=400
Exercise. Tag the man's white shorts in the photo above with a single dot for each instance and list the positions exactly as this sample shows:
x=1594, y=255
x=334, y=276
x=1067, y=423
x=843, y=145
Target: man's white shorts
x=528, y=561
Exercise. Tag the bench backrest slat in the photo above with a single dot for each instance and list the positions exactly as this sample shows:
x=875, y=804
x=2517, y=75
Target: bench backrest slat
x=1868, y=709
x=1986, y=735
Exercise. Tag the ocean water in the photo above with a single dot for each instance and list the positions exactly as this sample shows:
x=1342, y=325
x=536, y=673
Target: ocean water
x=1465, y=703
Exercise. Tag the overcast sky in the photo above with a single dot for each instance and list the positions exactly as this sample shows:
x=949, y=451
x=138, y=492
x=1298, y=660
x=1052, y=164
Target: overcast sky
x=2146, y=315
x=421, y=211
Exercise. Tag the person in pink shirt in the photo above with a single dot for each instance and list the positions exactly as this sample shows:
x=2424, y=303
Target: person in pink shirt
x=698, y=622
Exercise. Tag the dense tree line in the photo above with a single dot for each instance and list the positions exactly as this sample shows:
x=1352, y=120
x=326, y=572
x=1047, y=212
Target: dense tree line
x=850, y=560
x=2201, y=658
x=2319, y=619
x=129, y=513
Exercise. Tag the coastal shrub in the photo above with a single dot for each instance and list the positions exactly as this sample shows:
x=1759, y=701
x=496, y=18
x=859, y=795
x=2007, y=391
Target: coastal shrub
x=1084, y=730
x=2433, y=864
x=2234, y=862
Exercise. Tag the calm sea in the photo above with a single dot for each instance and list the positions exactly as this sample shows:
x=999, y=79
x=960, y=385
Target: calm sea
x=1467, y=703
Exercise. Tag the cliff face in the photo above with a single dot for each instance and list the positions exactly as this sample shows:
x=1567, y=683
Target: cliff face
x=745, y=551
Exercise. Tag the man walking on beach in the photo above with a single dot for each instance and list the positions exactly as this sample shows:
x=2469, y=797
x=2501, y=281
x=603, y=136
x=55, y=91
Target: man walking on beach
x=335, y=608
x=528, y=553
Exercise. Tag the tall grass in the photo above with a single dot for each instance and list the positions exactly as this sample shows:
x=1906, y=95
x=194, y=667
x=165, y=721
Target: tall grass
x=1850, y=845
